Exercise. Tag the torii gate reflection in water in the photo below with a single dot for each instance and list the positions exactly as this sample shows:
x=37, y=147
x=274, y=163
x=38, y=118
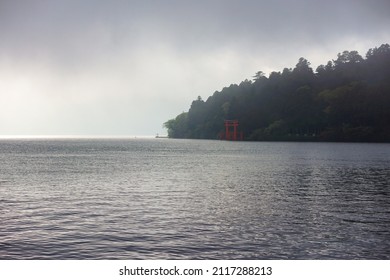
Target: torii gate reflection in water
x=228, y=135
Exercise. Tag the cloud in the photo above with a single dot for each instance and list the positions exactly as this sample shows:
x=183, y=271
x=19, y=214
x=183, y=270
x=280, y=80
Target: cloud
x=125, y=67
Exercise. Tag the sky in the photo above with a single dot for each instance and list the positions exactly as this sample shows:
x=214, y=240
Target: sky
x=123, y=67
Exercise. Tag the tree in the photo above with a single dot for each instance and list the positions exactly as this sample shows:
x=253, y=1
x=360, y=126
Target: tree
x=347, y=99
x=348, y=57
x=177, y=127
x=303, y=66
x=259, y=75
x=382, y=51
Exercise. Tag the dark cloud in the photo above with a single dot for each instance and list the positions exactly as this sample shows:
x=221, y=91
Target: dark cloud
x=82, y=28
x=100, y=52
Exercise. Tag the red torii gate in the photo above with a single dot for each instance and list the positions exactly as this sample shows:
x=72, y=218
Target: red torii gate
x=228, y=125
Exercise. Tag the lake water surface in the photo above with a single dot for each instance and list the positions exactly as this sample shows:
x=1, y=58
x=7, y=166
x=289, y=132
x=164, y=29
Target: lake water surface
x=188, y=199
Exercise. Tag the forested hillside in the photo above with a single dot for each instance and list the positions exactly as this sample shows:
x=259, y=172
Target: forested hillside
x=348, y=99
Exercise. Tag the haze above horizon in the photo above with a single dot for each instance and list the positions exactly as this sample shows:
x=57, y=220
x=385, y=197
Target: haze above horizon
x=122, y=68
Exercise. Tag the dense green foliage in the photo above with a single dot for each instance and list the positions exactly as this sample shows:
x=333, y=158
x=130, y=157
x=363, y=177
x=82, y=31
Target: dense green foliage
x=348, y=99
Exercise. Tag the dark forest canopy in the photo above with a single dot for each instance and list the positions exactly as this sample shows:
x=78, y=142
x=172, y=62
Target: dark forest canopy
x=347, y=99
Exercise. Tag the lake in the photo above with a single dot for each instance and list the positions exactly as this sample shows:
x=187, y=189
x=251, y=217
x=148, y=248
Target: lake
x=193, y=199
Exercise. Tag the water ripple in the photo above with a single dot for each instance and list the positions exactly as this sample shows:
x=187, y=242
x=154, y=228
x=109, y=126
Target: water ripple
x=159, y=199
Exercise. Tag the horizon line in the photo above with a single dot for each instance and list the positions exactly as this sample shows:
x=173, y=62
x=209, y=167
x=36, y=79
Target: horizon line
x=72, y=136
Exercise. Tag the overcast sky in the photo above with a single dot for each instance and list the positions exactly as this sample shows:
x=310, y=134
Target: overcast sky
x=123, y=67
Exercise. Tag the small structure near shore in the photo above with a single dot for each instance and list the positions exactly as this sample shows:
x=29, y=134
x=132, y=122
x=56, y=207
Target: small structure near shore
x=231, y=135
x=159, y=136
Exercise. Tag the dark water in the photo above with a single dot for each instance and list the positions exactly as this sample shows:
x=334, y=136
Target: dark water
x=184, y=199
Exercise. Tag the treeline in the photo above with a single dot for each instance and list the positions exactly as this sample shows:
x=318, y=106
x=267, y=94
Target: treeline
x=348, y=99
